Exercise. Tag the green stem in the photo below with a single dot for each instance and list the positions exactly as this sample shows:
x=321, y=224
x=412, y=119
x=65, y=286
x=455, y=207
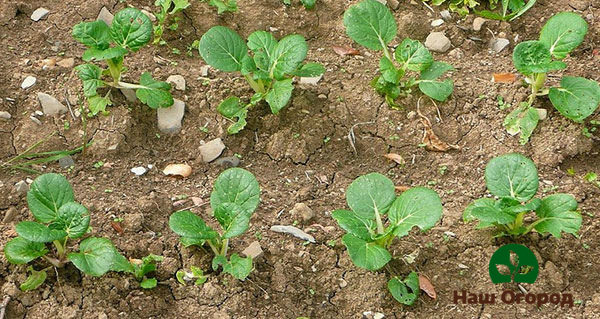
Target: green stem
x=55, y=262
x=386, y=51
x=258, y=88
x=115, y=71
x=225, y=247
x=379, y=222
x=537, y=83
x=213, y=247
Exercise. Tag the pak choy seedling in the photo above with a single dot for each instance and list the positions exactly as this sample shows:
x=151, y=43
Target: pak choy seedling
x=269, y=72
x=503, y=10
x=167, y=8
x=59, y=219
x=376, y=217
x=235, y=197
x=372, y=25
x=130, y=31
x=513, y=180
x=576, y=98
x=223, y=6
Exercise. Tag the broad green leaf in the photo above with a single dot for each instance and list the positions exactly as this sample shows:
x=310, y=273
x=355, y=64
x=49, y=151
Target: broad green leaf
x=370, y=24
x=576, y=98
x=120, y=263
x=419, y=206
x=524, y=120
x=557, y=214
x=288, y=54
x=90, y=75
x=354, y=224
x=148, y=283
x=370, y=192
x=98, y=104
x=482, y=202
x=364, y=254
x=73, y=218
x=224, y=5
x=179, y=5
x=39, y=233
x=47, y=194
x=34, y=280
x=155, y=94
x=231, y=108
x=237, y=186
x=186, y=224
x=398, y=288
x=93, y=54
x=148, y=265
x=279, y=95
x=21, y=251
x=532, y=57
x=512, y=175
x=223, y=49
x=436, y=89
x=388, y=71
x=522, y=9
x=518, y=208
x=309, y=70
x=308, y=4
x=563, y=33
x=92, y=34
x=238, y=267
x=131, y=29
x=217, y=261
x=95, y=256
x=262, y=44
x=492, y=216
x=413, y=55
x=249, y=68
x=233, y=218
x=435, y=70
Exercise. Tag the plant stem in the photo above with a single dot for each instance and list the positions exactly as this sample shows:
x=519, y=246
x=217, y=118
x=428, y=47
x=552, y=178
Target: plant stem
x=225, y=247
x=386, y=51
x=537, y=83
x=213, y=247
x=115, y=71
x=258, y=88
x=379, y=222
x=55, y=262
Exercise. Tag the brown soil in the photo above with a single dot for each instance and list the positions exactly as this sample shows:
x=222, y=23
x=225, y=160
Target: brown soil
x=301, y=155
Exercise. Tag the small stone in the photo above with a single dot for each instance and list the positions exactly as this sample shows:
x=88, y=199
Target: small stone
x=35, y=120
x=437, y=23
x=66, y=63
x=253, y=250
x=302, y=210
x=39, y=113
x=50, y=105
x=343, y=283
x=296, y=232
x=463, y=266
x=102, y=316
x=39, y=14
x=105, y=16
x=5, y=115
x=169, y=119
x=384, y=2
x=211, y=150
x=10, y=215
x=446, y=15
x=139, y=171
x=311, y=80
x=21, y=187
x=204, y=70
x=499, y=44
x=542, y=113
x=178, y=81
x=478, y=23
x=66, y=162
x=149, y=15
x=28, y=82
x=129, y=95
x=394, y=4
x=229, y=161
x=133, y=222
x=580, y=5
x=437, y=42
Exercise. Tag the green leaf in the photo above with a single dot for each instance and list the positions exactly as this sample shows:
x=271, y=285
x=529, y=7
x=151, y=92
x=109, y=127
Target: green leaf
x=512, y=175
x=34, y=280
x=309, y=70
x=93, y=54
x=369, y=193
x=308, y=4
x=90, y=75
x=179, y=5
x=224, y=5
x=370, y=24
x=413, y=55
x=231, y=108
x=73, y=218
x=399, y=291
x=148, y=283
x=120, y=263
x=92, y=34
x=482, y=202
x=279, y=95
x=354, y=224
x=262, y=44
x=576, y=98
x=288, y=54
x=365, y=254
x=98, y=104
x=218, y=261
x=187, y=225
x=534, y=57
x=237, y=186
x=419, y=206
x=430, y=86
x=223, y=49
x=47, y=194
x=131, y=29
x=233, y=218
x=21, y=251
x=563, y=33
x=238, y=267
x=95, y=256
x=155, y=94
x=492, y=216
x=524, y=120
x=39, y=233
x=388, y=71
x=558, y=214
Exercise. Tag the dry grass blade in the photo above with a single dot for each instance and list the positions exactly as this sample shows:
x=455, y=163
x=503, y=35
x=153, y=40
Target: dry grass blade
x=352, y=137
x=432, y=142
x=343, y=51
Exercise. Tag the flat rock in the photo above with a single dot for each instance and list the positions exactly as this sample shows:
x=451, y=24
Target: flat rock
x=499, y=44
x=28, y=82
x=149, y=14
x=178, y=81
x=129, y=95
x=169, y=118
x=437, y=42
x=446, y=15
x=211, y=150
x=10, y=215
x=39, y=14
x=302, y=210
x=66, y=162
x=66, y=63
x=5, y=115
x=394, y=4
x=21, y=187
x=254, y=250
x=294, y=231
x=437, y=22
x=311, y=80
x=139, y=171
x=229, y=161
x=105, y=16
x=478, y=23
x=204, y=70
x=50, y=105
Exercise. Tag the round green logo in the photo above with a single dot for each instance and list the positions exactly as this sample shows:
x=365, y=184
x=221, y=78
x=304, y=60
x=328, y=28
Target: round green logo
x=521, y=267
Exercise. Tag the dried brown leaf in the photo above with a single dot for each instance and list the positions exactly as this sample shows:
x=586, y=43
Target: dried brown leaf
x=402, y=188
x=432, y=142
x=427, y=287
x=117, y=227
x=505, y=77
x=396, y=158
x=343, y=51
x=183, y=170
